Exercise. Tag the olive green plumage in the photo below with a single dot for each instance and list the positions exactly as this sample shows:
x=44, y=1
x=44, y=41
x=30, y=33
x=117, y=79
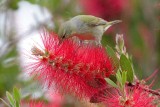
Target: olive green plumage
x=85, y=27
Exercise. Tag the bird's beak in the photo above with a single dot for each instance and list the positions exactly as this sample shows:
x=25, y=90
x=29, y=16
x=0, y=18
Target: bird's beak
x=114, y=22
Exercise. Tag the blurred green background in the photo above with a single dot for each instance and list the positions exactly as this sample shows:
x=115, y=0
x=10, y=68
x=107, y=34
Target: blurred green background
x=140, y=27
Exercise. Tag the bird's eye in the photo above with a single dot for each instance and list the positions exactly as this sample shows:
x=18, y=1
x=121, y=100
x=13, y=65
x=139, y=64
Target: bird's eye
x=63, y=36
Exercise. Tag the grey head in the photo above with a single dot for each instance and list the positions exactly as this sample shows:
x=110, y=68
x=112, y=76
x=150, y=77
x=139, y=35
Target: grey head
x=64, y=31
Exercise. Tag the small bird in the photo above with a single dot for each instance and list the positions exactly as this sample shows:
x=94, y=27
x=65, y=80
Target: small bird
x=85, y=27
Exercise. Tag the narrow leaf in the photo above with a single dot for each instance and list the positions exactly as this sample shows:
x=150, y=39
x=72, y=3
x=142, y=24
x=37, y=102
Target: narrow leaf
x=17, y=95
x=10, y=98
x=5, y=102
x=113, y=57
x=124, y=77
x=109, y=81
x=119, y=77
x=126, y=66
x=17, y=104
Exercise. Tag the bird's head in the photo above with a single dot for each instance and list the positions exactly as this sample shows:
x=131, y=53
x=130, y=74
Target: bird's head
x=64, y=32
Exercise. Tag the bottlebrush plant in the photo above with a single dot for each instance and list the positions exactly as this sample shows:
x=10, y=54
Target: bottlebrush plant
x=74, y=68
x=89, y=72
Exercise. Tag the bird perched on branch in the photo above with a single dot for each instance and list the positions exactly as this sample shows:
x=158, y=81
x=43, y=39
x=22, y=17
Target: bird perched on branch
x=85, y=27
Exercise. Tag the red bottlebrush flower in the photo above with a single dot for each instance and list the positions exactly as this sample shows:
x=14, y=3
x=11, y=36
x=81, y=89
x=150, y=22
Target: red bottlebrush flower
x=135, y=97
x=42, y=104
x=35, y=104
x=50, y=99
x=73, y=68
x=107, y=9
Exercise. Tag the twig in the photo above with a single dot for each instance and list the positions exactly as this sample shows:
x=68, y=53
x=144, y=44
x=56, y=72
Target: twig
x=145, y=89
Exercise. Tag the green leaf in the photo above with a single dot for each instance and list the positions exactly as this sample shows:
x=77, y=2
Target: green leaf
x=8, y=74
x=124, y=77
x=10, y=98
x=126, y=66
x=17, y=104
x=32, y=1
x=118, y=76
x=109, y=81
x=17, y=95
x=13, y=4
x=113, y=57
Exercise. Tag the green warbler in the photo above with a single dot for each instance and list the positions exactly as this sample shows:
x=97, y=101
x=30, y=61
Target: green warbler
x=85, y=27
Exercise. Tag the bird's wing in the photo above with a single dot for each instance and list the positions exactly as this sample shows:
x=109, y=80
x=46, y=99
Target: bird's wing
x=93, y=21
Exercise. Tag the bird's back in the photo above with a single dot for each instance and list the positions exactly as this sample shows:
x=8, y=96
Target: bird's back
x=90, y=20
x=85, y=23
